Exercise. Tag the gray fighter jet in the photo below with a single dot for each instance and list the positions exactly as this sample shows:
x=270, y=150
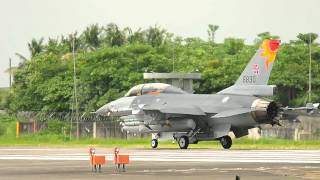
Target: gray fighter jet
x=157, y=108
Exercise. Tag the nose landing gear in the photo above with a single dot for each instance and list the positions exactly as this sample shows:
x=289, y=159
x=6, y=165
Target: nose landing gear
x=154, y=143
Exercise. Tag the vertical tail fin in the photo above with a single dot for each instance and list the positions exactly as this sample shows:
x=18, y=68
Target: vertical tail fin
x=258, y=70
x=254, y=79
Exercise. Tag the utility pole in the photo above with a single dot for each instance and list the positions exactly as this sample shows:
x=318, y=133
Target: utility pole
x=72, y=107
x=10, y=75
x=173, y=55
x=75, y=85
x=309, y=98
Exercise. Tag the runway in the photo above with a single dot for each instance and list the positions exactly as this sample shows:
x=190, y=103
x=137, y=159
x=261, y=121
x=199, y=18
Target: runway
x=172, y=164
x=176, y=155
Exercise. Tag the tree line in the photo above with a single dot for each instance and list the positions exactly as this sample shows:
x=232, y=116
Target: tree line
x=111, y=59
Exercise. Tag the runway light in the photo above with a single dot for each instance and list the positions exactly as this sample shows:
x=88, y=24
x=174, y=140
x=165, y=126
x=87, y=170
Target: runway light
x=92, y=151
x=96, y=160
x=119, y=160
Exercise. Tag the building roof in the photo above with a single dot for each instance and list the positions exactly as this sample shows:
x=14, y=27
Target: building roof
x=171, y=75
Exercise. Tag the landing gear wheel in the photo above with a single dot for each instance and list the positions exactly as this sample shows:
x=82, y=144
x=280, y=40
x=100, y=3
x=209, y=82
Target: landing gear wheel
x=154, y=143
x=183, y=142
x=226, y=142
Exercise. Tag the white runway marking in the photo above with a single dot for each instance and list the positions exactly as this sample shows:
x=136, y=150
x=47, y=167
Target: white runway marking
x=234, y=156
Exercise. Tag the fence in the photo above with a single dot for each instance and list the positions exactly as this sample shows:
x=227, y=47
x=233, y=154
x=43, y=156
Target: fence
x=306, y=128
x=91, y=125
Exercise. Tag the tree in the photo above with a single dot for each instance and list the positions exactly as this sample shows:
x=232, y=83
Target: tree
x=156, y=36
x=265, y=35
x=70, y=41
x=113, y=36
x=116, y=63
x=23, y=59
x=90, y=36
x=35, y=47
x=212, y=32
x=307, y=38
x=138, y=36
x=233, y=45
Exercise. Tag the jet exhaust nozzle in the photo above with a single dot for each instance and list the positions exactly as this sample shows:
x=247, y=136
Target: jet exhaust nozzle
x=266, y=112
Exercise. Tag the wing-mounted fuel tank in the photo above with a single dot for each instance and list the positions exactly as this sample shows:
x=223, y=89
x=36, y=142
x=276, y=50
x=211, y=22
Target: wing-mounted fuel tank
x=137, y=124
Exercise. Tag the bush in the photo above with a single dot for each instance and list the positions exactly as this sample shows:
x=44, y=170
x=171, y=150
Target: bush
x=54, y=127
x=4, y=94
x=7, y=125
x=3, y=130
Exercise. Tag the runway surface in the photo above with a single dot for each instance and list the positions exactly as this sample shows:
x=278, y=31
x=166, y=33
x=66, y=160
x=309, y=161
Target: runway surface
x=64, y=163
x=243, y=156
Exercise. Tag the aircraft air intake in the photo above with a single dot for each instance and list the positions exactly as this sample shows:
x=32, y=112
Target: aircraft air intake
x=265, y=112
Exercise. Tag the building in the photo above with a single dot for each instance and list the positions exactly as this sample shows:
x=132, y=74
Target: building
x=181, y=80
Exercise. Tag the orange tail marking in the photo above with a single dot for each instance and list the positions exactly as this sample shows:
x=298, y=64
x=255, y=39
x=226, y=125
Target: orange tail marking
x=270, y=48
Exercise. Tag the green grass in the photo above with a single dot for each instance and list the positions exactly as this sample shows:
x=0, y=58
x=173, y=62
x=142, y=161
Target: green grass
x=4, y=92
x=242, y=143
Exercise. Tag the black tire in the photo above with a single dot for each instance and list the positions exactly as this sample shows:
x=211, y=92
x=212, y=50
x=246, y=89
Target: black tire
x=154, y=143
x=183, y=142
x=226, y=142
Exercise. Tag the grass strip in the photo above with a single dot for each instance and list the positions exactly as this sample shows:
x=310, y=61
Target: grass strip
x=241, y=143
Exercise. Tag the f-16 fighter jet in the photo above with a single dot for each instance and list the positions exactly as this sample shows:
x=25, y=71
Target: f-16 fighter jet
x=157, y=107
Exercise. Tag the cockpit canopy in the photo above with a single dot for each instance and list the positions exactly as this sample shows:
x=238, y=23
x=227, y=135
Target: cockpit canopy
x=153, y=88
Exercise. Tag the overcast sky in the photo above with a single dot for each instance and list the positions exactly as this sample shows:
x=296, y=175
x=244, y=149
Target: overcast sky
x=22, y=20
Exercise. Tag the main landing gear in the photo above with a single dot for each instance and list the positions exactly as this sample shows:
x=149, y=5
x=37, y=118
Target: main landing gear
x=183, y=142
x=226, y=142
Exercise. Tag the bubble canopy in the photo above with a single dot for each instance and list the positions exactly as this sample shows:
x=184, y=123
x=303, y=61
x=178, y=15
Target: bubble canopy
x=153, y=88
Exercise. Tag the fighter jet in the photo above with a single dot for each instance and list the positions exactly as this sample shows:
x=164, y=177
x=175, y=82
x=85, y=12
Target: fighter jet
x=157, y=108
